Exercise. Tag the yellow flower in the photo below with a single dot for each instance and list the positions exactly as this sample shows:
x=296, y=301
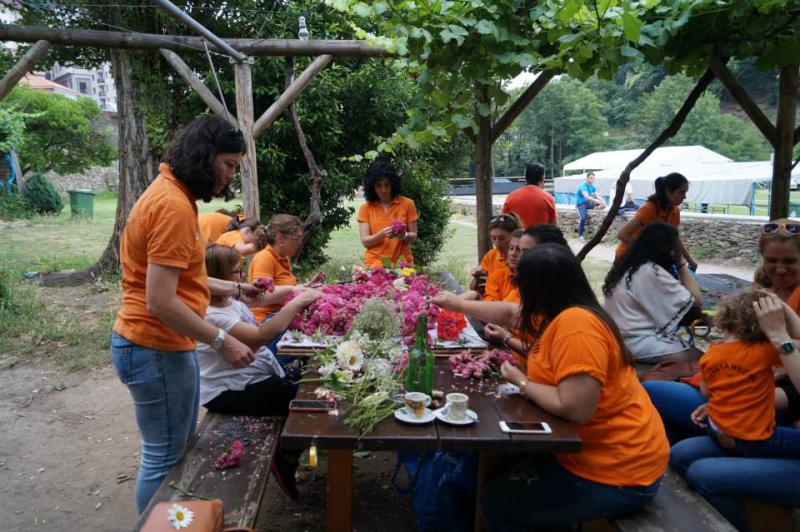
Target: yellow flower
x=180, y=516
x=408, y=271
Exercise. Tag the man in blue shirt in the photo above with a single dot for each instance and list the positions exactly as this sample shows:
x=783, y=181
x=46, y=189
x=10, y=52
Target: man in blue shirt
x=587, y=198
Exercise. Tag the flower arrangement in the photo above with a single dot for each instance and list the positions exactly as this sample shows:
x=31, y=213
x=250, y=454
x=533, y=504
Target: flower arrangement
x=469, y=365
x=449, y=325
x=398, y=228
x=378, y=319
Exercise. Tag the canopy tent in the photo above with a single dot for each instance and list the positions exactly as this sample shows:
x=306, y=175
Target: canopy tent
x=726, y=183
x=670, y=156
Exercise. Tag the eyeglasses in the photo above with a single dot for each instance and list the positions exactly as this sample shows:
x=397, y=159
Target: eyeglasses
x=500, y=218
x=237, y=272
x=772, y=228
x=295, y=238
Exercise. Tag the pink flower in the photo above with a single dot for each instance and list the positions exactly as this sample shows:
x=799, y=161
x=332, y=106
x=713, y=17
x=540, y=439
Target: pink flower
x=231, y=457
x=398, y=227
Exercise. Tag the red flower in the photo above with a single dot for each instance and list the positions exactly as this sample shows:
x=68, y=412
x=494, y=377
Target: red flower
x=449, y=325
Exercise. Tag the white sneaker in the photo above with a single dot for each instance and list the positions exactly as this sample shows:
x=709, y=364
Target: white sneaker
x=581, y=239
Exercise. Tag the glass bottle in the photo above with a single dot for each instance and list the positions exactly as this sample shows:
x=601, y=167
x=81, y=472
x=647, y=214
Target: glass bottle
x=428, y=361
x=416, y=358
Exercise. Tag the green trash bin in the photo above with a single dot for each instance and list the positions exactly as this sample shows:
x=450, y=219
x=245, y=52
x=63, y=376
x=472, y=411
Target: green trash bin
x=81, y=203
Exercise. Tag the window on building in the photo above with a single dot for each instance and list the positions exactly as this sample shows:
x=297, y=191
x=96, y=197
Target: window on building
x=82, y=87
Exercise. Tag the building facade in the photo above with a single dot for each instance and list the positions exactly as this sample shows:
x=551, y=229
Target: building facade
x=97, y=83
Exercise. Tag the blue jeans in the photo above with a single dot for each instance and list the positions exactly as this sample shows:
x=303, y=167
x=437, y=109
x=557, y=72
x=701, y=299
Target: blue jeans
x=538, y=492
x=727, y=482
x=582, y=208
x=676, y=401
x=165, y=387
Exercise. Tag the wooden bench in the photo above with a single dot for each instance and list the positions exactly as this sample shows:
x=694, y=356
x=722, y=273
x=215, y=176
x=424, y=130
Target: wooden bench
x=676, y=508
x=240, y=488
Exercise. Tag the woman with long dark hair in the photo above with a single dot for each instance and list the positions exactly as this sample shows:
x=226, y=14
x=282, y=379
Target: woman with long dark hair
x=579, y=370
x=647, y=302
x=663, y=206
x=385, y=207
x=165, y=292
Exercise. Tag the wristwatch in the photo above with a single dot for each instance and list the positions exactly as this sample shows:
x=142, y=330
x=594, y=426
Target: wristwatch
x=219, y=341
x=787, y=348
x=522, y=384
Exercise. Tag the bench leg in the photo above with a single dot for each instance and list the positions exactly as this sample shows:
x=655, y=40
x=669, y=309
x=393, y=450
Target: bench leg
x=340, y=490
x=488, y=466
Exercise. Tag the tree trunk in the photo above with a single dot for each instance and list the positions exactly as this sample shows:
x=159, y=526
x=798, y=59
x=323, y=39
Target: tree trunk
x=134, y=173
x=671, y=131
x=483, y=177
x=782, y=165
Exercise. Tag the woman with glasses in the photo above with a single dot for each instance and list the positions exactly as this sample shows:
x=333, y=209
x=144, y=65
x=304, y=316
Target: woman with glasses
x=491, y=280
x=165, y=292
x=387, y=222
x=583, y=373
x=663, y=206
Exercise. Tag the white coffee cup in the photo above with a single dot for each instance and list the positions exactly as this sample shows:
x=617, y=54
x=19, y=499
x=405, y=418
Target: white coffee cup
x=457, y=404
x=416, y=403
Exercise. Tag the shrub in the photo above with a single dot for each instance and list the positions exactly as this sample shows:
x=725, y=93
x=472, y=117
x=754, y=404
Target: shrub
x=41, y=195
x=12, y=206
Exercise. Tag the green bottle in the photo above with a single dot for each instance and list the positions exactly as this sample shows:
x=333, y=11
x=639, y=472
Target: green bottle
x=416, y=358
x=428, y=361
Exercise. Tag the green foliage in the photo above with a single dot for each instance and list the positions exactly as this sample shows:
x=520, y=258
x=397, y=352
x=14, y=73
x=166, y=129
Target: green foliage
x=706, y=125
x=12, y=206
x=60, y=134
x=41, y=196
x=12, y=129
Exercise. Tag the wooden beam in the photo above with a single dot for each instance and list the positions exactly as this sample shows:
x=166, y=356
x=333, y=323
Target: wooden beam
x=150, y=41
x=797, y=135
x=782, y=162
x=183, y=17
x=244, y=111
x=720, y=69
x=522, y=102
x=22, y=67
x=483, y=173
x=197, y=84
x=289, y=95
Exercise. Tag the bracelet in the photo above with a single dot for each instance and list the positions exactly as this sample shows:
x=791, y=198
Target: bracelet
x=522, y=384
x=237, y=290
x=506, y=340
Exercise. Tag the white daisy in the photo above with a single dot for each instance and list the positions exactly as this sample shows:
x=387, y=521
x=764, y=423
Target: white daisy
x=180, y=516
x=349, y=355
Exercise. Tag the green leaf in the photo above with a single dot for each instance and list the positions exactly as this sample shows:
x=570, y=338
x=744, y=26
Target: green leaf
x=453, y=32
x=569, y=38
x=570, y=9
x=371, y=155
x=484, y=109
x=462, y=121
x=361, y=9
x=486, y=27
x=525, y=60
x=631, y=26
x=629, y=51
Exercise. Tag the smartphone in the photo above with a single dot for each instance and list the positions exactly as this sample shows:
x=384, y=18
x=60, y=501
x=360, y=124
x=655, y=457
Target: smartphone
x=525, y=427
x=311, y=405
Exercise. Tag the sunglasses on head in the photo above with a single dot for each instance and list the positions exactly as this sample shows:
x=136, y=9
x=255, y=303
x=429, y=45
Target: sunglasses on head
x=500, y=218
x=772, y=228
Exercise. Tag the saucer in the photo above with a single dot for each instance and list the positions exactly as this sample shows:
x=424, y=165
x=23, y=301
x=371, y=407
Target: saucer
x=401, y=415
x=471, y=418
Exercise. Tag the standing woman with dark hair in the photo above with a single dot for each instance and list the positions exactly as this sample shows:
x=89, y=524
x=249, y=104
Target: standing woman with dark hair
x=663, y=206
x=165, y=292
x=581, y=372
x=385, y=207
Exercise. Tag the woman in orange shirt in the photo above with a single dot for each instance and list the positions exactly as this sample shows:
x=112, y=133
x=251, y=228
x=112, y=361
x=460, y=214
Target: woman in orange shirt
x=501, y=228
x=583, y=373
x=213, y=224
x=241, y=235
x=384, y=208
x=663, y=206
x=165, y=292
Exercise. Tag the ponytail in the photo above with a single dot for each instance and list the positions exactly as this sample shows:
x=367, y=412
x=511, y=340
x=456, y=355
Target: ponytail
x=664, y=185
x=237, y=222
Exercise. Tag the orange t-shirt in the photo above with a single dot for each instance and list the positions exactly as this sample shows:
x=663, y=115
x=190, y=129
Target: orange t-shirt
x=532, y=205
x=162, y=229
x=649, y=213
x=401, y=209
x=794, y=300
x=231, y=238
x=212, y=225
x=267, y=263
x=490, y=259
x=741, y=388
x=498, y=282
x=624, y=443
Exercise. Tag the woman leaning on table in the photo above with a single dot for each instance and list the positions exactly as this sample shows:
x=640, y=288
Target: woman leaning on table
x=582, y=372
x=165, y=292
x=385, y=205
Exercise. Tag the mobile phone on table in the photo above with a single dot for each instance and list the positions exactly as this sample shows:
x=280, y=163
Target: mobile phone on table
x=525, y=427
x=311, y=405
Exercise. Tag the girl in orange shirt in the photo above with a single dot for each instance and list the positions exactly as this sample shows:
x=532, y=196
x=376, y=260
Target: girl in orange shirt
x=583, y=373
x=385, y=207
x=213, y=224
x=242, y=235
x=660, y=207
x=501, y=228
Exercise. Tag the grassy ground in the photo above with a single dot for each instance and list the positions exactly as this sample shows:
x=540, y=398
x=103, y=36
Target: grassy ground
x=71, y=325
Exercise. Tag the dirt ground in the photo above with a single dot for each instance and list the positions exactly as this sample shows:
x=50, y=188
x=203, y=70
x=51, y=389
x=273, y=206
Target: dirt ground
x=69, y=451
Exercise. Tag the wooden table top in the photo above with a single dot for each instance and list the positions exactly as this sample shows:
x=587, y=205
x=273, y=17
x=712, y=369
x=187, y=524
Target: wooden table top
x=330, y=432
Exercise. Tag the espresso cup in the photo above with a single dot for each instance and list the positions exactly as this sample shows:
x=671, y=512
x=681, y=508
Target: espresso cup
x=457, y=404
x=416, y=403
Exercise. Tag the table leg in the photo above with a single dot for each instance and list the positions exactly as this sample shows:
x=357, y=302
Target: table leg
x=488, y=465
x=340, y=490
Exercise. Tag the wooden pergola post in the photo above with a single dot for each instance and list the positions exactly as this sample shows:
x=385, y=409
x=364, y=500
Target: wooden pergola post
x=244, y=113
x=782, y=164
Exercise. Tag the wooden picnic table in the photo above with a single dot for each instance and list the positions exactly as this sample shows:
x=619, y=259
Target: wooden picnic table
x=303, y=429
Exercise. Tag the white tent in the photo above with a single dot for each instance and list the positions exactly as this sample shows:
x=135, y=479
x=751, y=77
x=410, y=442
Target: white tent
x=713, y=179
x=670, y=156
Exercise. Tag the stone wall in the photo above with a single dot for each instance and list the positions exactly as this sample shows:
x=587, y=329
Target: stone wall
x=718, y=238
x=96, y=179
